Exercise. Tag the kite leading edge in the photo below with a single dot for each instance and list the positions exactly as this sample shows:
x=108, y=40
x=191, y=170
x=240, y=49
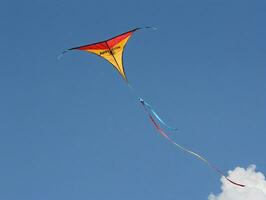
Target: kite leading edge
x=112, y=50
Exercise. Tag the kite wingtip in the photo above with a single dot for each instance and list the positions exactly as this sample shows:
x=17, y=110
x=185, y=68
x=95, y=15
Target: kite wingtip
x=146, y=27
x=61, y=55
x=151, y=27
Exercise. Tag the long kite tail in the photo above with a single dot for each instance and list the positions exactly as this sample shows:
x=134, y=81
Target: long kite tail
x=159, y=129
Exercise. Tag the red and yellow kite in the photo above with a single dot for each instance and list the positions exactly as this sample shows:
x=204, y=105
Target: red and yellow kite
x=111, y=50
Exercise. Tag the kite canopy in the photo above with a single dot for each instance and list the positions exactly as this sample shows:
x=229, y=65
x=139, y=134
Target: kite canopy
x=111, y=50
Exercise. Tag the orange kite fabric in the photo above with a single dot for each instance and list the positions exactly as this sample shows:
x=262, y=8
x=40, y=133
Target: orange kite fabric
x=111, y=50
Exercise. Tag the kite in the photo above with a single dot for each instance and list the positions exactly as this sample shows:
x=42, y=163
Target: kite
x=112, y=50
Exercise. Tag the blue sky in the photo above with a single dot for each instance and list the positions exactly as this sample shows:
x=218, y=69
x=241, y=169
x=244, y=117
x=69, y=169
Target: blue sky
x=71, y=129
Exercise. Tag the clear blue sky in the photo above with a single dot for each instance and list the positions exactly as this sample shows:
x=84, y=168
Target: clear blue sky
x=71, y=129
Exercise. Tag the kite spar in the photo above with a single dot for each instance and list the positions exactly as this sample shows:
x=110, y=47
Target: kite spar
x=112, y=50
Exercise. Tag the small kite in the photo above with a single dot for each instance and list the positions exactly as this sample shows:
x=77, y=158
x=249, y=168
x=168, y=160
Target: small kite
x=112, y=50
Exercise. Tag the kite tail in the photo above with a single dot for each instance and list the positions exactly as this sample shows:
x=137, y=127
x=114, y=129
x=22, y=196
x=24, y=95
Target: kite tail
x=149, y=109
x=158, y=128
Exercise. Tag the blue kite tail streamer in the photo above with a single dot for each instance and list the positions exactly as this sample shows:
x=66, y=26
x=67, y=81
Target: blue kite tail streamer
x=151, y=110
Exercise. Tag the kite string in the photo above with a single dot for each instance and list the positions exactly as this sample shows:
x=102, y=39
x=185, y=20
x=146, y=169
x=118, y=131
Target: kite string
x=158, y=128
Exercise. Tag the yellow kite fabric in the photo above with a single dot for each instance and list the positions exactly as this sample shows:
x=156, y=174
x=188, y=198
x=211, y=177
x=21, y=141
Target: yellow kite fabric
x=111, y=50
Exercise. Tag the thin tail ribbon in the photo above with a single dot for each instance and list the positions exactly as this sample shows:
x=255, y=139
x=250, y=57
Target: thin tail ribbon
x=150, y=110
x=160, y=130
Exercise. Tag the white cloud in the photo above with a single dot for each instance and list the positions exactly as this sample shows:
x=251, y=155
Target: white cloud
x=255, y=185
